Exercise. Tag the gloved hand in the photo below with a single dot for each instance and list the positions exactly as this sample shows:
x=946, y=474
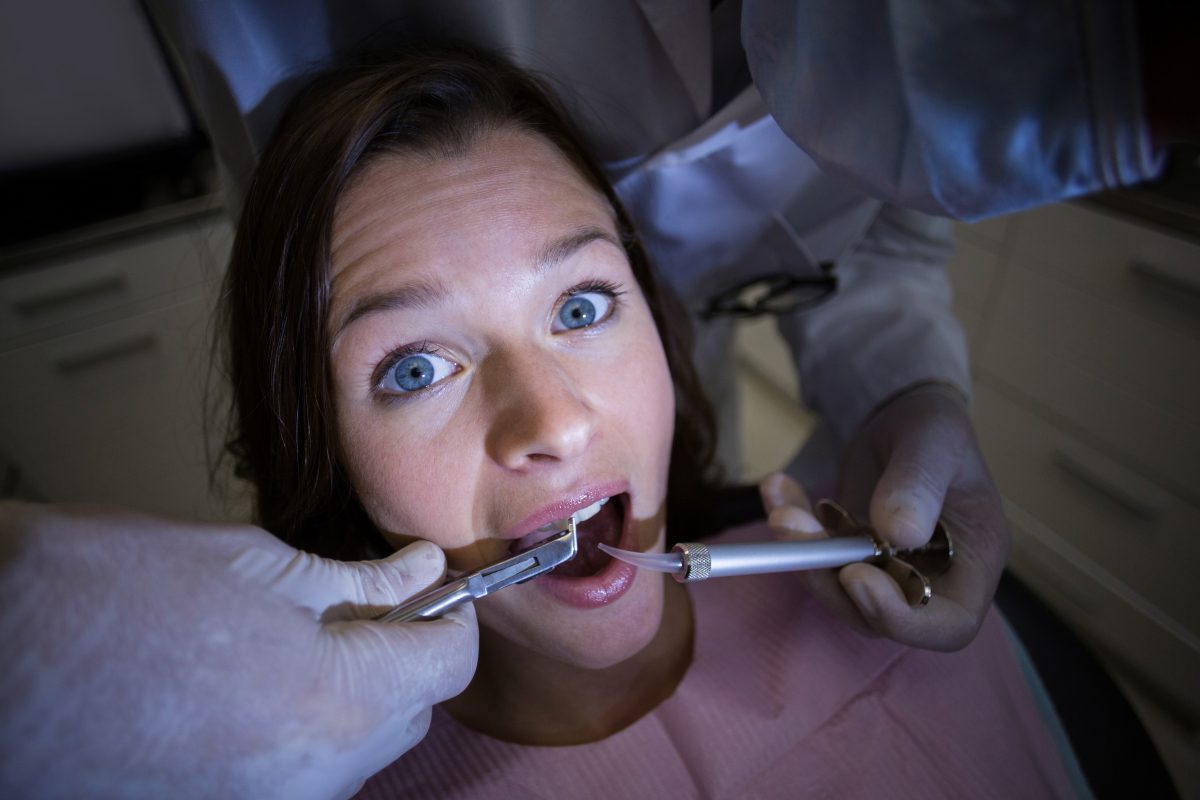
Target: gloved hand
x=916, y=458
x=150, y=658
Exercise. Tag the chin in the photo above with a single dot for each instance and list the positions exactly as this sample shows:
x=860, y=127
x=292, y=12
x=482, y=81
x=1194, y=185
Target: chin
x=615, y=638
x=585, y=638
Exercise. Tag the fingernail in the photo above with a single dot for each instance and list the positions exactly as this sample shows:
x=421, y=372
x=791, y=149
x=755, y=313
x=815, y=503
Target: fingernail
x=907, y=528
x=862, y=598
x=794, y=521
x=769, y=491
x=795, y=493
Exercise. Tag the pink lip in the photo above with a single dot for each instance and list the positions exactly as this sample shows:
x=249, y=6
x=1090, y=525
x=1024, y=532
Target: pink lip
x=594, y=592
x=600, y=589
x=576, y=500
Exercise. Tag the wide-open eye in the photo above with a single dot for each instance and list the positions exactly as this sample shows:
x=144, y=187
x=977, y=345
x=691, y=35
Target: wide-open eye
x=583, y=309
x=415, y=372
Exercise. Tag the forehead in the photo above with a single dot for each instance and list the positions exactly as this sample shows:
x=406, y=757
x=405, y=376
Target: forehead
x=505, y=195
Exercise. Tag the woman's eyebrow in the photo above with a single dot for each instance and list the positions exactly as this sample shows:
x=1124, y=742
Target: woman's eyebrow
x=413, y=294
x=563, y=248
x=423, y=294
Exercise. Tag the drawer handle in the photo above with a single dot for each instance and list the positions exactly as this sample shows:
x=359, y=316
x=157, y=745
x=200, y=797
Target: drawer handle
x=1114, y=481
x=1175, y=276
x=70, y=295
x=74, y=364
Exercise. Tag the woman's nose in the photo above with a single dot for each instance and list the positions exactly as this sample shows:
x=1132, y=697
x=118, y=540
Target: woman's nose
x=539, y=414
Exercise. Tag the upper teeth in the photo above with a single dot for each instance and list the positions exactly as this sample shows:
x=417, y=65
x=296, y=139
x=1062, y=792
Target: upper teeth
x=582, y=515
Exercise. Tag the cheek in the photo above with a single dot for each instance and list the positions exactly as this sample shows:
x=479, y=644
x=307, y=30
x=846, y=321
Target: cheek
x=647, y=398
x=408, y=487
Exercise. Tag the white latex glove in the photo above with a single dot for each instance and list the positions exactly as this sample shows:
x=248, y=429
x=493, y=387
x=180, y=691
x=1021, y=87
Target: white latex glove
x=143, y=657
x=915, y=459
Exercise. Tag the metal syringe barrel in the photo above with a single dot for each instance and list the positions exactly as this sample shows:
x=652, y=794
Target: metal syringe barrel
x=702, y=561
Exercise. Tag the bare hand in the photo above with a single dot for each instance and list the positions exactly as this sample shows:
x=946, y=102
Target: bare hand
x=916, y=459
x=152, y=658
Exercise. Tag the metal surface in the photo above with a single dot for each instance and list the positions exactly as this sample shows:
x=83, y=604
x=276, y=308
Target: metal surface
x=911, y=569
x=848, y=543
x=697, y=562
x=763, y=557
x=537, y=560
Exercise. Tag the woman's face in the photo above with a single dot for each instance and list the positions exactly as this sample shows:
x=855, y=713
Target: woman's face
x=496, y=368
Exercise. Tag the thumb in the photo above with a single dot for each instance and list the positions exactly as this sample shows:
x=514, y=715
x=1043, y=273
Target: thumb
x=334, y=589
x=375, y=586
x=909, y=495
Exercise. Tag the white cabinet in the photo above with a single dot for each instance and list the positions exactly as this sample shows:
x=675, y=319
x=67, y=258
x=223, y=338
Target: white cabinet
x=105, y=357
x=1085, y=338
x=1085, y=329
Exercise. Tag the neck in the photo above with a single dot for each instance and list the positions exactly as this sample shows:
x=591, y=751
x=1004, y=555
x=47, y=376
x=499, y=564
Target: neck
x=521, y=696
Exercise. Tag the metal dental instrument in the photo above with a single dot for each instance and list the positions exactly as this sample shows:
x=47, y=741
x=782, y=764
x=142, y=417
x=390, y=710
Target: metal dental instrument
x=849, y=542
x=537, y=560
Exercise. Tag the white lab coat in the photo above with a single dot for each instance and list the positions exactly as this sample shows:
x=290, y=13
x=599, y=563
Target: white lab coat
x=717, y=197
x=737, y=200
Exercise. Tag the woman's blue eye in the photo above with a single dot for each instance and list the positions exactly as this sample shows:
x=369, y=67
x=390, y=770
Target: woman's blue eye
x=584, y=309
x=416, y=372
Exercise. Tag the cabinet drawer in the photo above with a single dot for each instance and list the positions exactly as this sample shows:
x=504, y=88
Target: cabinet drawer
x=114, y=414
x=1138, y=269
x=1126, y=380
x=1102, y=609
x=69, y=293
x=1144, y=535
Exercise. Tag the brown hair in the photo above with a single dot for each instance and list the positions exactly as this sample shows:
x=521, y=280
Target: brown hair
x=434, y=99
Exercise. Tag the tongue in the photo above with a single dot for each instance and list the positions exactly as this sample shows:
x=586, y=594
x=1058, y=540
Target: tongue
x=604, y=527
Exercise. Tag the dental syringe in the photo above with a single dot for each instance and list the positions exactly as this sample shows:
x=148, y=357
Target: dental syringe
x=848, y=543
x=696, y=561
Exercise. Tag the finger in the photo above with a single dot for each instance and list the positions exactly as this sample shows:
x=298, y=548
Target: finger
x=942, y=624
x=908, y=497
x=392, y=580
x=381, y=681
x=344, y=590
x=424, y=661
x=789, y=522
x=974, y=518
x=789, y=512
x=778, y=489
x=790, y=517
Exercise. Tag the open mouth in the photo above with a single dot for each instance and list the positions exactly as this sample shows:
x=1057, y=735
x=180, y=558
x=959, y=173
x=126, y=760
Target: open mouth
x=606, y=526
